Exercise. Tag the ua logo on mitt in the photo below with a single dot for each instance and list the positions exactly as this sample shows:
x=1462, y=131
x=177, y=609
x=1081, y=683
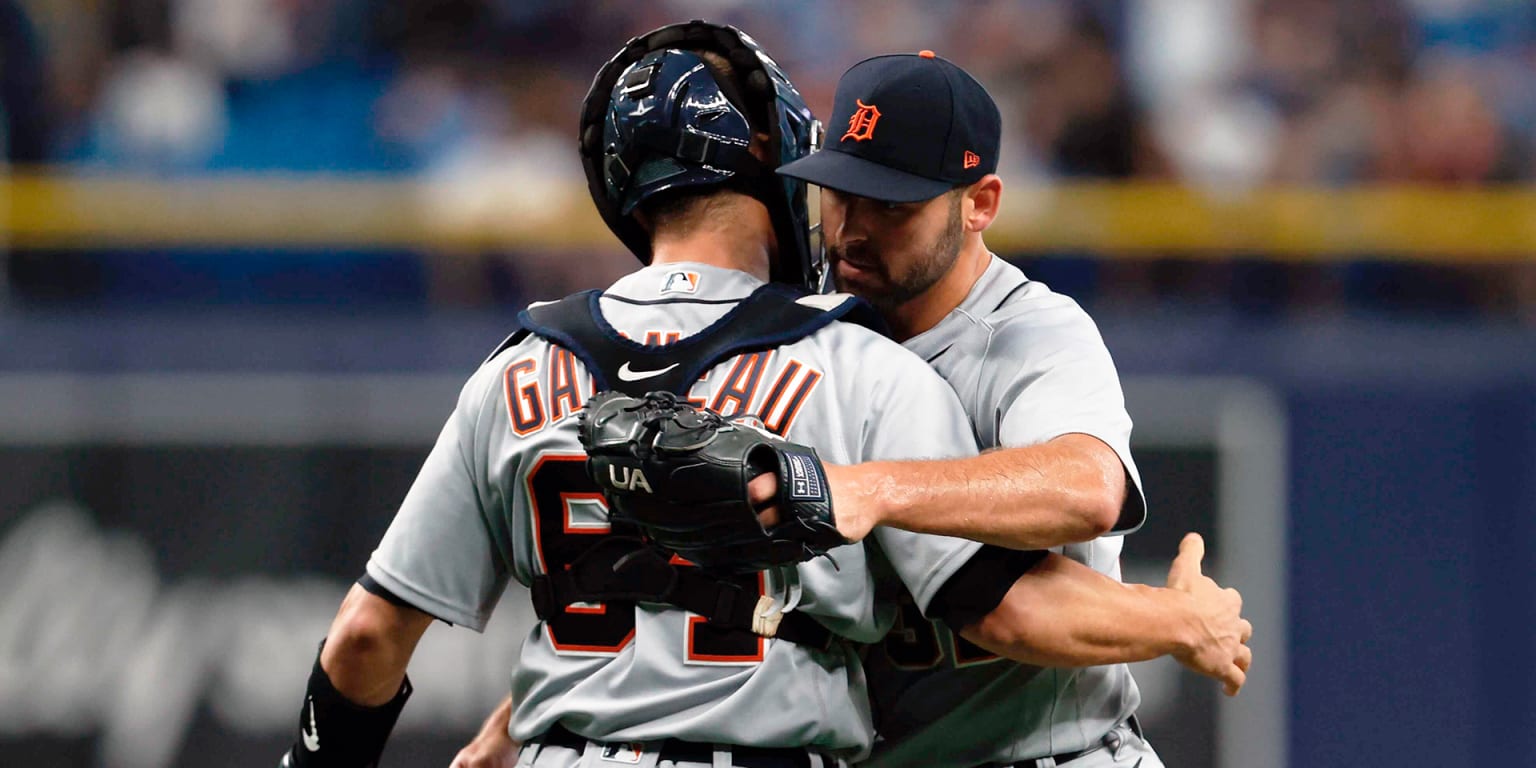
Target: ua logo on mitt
x=627, y=478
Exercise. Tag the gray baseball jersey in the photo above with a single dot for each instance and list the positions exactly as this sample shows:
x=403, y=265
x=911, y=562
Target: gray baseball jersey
x=504, y=494
x=1029, y=365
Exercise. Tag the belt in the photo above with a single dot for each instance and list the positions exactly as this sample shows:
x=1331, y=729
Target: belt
x=681, y=751
x=1111, y=740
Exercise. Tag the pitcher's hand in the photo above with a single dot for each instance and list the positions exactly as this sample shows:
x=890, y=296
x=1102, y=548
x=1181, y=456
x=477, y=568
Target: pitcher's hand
x=1217, y=646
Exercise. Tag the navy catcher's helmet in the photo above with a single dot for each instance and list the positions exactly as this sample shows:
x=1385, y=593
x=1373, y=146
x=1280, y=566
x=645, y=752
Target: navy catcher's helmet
x=657, y=119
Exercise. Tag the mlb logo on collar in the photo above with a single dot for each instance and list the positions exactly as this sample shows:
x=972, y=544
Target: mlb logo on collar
x=680, y=282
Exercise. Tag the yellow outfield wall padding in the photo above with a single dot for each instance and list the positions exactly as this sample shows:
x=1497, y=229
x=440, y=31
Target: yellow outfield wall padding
x=1113, y=220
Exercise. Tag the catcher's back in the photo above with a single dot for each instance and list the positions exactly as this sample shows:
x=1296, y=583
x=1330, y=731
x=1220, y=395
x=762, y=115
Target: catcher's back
x=505, y=494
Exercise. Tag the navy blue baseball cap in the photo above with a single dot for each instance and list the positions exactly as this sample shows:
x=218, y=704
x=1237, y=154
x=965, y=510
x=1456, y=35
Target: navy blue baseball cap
x=904, y=128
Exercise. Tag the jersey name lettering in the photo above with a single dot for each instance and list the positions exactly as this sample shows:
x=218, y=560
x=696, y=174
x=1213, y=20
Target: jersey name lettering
x=540, y=392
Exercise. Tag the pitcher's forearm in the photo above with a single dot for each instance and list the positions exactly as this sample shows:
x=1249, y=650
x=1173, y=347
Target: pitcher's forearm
x=1064, y=614
x=1067, y=490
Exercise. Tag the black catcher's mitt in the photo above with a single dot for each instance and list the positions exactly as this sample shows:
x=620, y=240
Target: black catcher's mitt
x=681, y=473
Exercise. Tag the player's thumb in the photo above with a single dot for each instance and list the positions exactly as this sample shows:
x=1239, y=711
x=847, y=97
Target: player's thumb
x=1191, y=552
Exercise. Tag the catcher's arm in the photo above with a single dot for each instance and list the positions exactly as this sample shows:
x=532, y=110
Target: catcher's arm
x=1061, y=613
x=493, y=746
x=358, y=685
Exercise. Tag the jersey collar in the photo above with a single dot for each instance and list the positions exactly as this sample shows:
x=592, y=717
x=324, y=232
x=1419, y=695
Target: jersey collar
x=684, y=281
x=997, y=282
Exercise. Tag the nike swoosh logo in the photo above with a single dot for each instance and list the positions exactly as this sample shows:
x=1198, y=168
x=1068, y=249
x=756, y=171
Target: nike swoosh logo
x=629, y=374
x=311, y=735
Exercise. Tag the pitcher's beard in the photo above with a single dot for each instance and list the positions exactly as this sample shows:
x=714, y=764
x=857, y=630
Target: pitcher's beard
x=879, y=287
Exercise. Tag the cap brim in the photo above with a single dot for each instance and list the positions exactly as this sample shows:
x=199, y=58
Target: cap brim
x=865, y=178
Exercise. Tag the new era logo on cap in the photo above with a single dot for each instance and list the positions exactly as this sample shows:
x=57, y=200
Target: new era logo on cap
x=918, y=126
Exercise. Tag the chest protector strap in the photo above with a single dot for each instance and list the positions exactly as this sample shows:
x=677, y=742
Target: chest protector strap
x=620, y=567
x=771, y=316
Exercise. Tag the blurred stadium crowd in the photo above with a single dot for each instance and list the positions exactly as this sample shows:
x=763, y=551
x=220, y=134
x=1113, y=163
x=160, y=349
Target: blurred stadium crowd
x=1223, y=95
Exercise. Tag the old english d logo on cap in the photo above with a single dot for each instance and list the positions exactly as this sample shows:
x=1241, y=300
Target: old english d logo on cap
x=861, y=125
x=936, y=128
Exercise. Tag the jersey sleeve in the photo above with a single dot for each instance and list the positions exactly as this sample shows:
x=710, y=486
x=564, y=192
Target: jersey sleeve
x=914, y=414
x=1051, y=375
x=439, y=555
